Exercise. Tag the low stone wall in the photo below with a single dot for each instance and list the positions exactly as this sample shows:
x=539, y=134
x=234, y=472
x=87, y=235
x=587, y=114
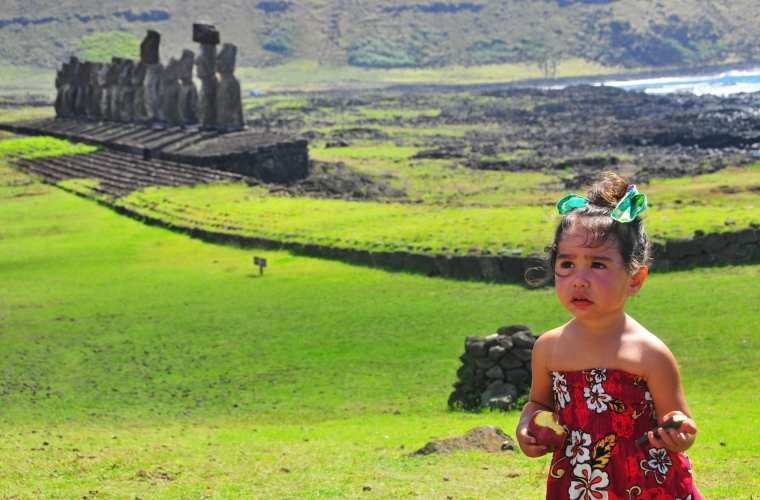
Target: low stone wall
x=497, y=268
x=706, y=250
x=495, y=370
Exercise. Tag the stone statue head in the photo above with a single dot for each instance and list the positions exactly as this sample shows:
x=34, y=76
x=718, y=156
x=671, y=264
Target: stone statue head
x=225, y=61
x=113, y=74
x=205, y=64
x=138, y=74
x=103, y=72
x=75, y=67
x=62, y=76
x=125, y=72
x=150, y=48
x=95, y=69
x=186, y=66
x=84, y=74
x=171, y=72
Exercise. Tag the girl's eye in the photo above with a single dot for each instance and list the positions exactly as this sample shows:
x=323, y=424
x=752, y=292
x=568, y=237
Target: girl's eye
x=566, y=265
x=598, y=265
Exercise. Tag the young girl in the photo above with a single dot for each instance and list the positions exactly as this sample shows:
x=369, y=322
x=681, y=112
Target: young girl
x=609, y=379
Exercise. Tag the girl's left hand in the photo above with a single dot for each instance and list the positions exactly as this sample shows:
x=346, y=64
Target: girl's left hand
x=676, y=440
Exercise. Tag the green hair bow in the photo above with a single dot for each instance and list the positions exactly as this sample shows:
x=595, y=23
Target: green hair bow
x=627, y=209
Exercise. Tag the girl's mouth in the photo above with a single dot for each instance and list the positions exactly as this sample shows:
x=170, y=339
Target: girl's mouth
x=580, y=300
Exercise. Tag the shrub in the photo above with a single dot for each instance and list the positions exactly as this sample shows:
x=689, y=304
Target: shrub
x=104, y=46
x=379, y=52
x=280, y=40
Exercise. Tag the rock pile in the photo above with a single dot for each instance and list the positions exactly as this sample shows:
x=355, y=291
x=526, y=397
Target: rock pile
x=146, y=91
x=486, y=438
x=495, y=370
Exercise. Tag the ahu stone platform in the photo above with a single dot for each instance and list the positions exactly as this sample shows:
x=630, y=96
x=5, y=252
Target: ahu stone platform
x=269, y=157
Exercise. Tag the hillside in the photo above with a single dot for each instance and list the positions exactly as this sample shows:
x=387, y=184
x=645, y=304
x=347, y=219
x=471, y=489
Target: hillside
x=397, y=33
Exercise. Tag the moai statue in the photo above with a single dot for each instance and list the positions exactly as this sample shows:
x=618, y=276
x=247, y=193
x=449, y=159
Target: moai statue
x=104, y=81
x=229, y=103
x=138, y=82
x=205, y=65
x=188, y=95
x=96, y=91
x=75, y=68
x=84, y=90
x=150, y=56
x=115, y=81
x=127, y=91
x=170, y=89
x=61, y=83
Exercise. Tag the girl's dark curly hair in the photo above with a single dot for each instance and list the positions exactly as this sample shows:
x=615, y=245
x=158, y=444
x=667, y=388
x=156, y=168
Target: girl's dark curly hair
x=630, y=239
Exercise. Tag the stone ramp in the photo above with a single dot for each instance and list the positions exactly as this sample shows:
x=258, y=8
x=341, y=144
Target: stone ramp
x=121, y=173
x=267, y=156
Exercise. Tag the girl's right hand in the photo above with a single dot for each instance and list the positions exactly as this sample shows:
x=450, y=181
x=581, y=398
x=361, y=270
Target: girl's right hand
x=528, y=444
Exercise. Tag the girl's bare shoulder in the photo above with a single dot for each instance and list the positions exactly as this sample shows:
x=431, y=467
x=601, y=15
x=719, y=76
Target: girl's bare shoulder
x=648, y=351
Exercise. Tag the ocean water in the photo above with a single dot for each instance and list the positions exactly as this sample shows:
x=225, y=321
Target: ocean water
x=723, y=84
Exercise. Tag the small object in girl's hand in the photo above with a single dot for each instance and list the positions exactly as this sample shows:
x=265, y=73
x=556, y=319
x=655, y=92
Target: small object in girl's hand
x=672, y=423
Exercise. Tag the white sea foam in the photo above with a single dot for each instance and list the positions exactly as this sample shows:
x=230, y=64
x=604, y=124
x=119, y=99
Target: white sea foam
x=723, y=84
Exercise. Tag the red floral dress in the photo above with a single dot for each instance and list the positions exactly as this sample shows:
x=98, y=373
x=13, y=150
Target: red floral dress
x=605, y=411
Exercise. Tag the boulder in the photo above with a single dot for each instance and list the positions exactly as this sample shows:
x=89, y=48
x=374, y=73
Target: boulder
x=471, y=267
x=423, y=263
x=476, y=347
x=711, y=243
x=503, y=393
x=678, y=249
x=491, y=340
x=485, y=363
x=747, y=235
x=490, y=268
x=509, y=330
x=495, y=372
x=505, y=342
x=509, y=361
x=512, y=268
x=523, y=339
x=517, y=376
x=443, y=263
x=522, y=353
x=496, y=352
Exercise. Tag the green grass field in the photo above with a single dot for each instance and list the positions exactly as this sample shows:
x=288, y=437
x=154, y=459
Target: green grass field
x=141, y=363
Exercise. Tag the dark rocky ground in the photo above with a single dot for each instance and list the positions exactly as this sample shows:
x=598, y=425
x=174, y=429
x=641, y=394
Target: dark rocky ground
x=577, y=131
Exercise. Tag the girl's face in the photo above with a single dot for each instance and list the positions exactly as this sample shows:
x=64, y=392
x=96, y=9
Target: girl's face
x=593, y=283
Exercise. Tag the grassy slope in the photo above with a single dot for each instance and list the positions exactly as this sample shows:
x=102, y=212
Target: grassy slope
x=324, y=30
x=128, y=347
x=512, y=219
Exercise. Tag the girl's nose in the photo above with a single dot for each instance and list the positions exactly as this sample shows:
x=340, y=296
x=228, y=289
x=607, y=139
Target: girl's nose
x=580, y=278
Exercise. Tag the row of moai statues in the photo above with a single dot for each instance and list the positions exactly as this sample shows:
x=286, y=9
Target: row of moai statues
x=125, y=91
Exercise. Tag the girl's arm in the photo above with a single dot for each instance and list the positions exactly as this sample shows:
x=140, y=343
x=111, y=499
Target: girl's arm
x=540, y=399
x=664, y=383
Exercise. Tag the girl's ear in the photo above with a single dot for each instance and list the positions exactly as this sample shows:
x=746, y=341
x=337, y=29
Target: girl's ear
x=637, y=279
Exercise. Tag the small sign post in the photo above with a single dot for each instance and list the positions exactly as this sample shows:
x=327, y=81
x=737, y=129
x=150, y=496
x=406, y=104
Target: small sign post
x=261, y=262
